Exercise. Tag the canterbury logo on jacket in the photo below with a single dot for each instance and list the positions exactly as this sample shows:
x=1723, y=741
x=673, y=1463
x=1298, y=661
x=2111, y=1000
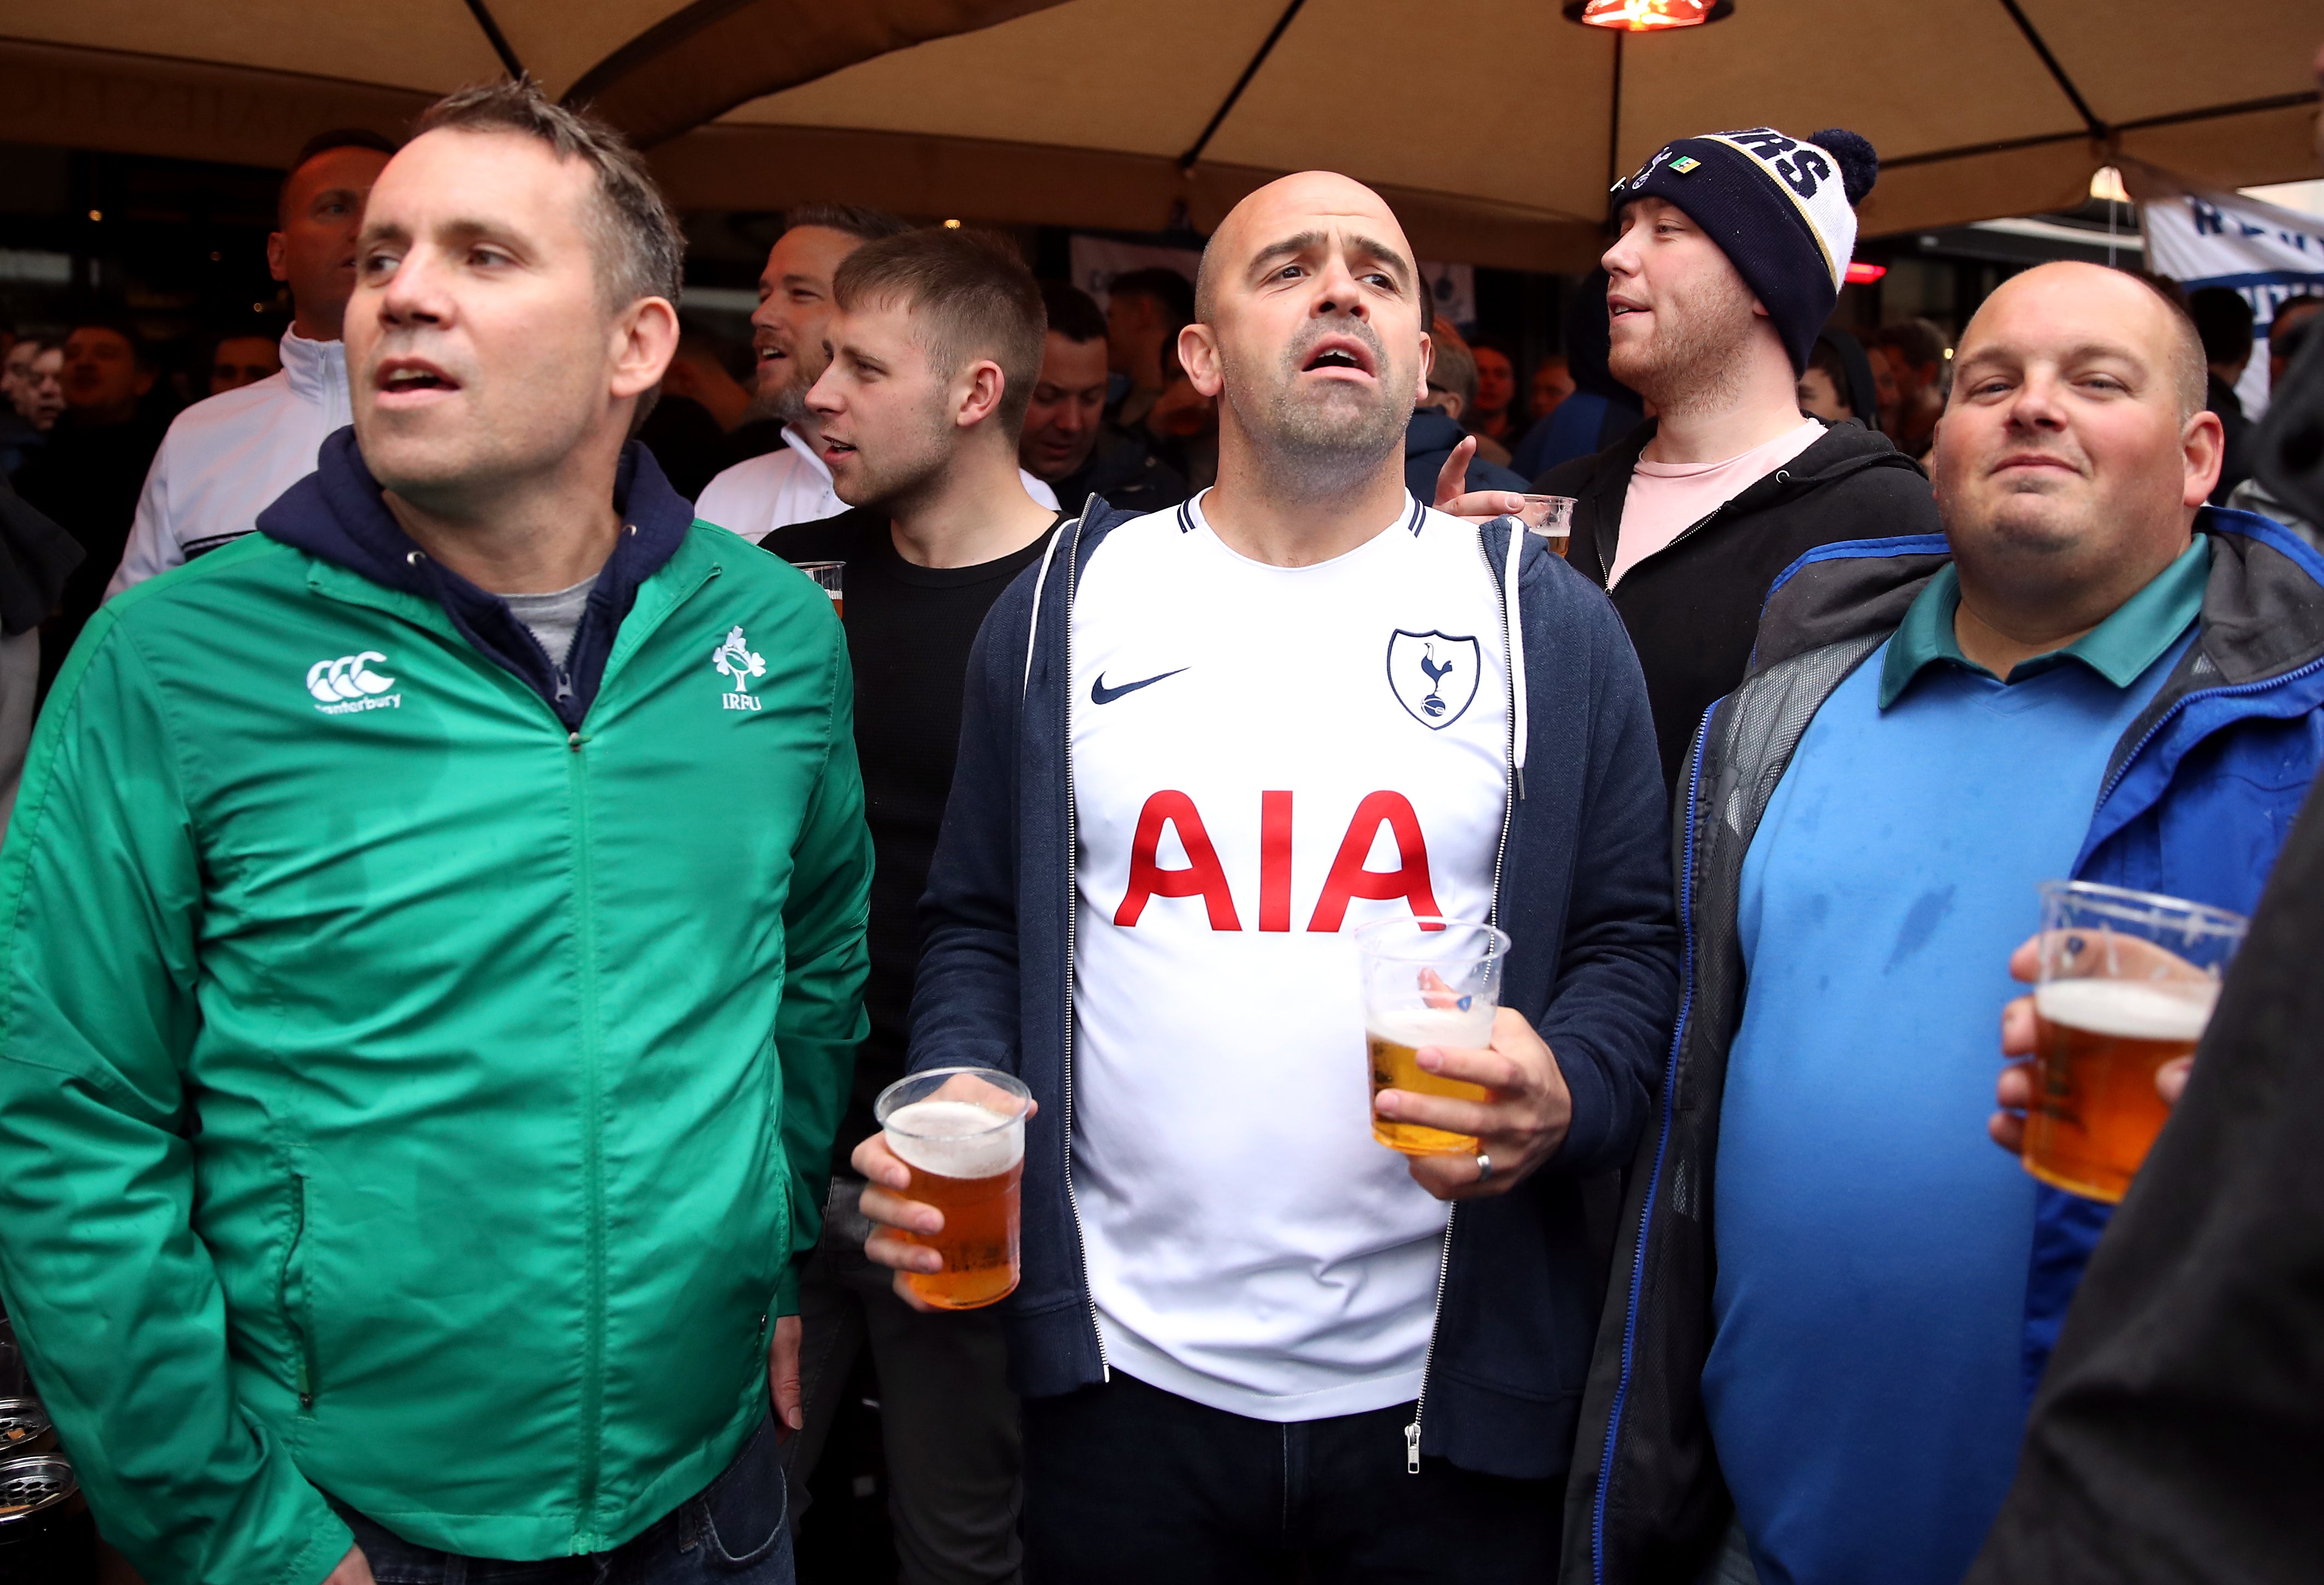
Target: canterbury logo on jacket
x=420, y=1059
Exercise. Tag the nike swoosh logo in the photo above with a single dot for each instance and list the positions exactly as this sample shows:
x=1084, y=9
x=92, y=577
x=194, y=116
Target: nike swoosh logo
x=1101, y=694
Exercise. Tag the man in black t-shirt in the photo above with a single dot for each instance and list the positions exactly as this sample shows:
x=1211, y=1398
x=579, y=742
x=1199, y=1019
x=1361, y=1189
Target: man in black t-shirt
x=934, y=350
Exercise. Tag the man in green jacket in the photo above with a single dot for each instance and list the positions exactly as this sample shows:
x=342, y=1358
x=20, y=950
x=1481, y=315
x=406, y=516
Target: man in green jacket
x=431, y=939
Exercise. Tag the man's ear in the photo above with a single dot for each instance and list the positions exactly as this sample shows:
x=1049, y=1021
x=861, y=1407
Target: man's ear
x=1427, y=366
x=2204, y=443
x=645, y=339
x=278, y=255
x=1198, y=356
x=977, y=393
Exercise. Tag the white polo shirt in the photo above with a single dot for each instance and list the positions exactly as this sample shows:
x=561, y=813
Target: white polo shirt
x=1265, y=758
x=769, y=492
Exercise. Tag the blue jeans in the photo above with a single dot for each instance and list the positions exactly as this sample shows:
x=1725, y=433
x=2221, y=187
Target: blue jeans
x=736, y=1532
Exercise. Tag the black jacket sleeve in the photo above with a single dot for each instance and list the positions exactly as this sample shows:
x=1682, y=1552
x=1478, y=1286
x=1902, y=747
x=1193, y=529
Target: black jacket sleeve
x=1616, y=989
x=967, y=997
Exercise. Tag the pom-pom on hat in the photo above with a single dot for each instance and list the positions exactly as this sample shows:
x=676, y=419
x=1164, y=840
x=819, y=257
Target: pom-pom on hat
x=1782, y=208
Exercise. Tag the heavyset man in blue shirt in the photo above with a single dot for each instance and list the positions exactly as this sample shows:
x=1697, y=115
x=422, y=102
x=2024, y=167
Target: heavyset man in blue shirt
x=1832, y=1294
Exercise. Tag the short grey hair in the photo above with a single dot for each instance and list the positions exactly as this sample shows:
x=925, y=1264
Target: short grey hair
x=640, y=249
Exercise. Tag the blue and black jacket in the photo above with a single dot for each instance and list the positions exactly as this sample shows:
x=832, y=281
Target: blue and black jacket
x=1585, y=896
x=2198, y=798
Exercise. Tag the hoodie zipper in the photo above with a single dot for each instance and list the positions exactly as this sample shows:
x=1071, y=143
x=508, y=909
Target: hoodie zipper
x=1661, y=1147
x=1073, y=899
x=1500, y=852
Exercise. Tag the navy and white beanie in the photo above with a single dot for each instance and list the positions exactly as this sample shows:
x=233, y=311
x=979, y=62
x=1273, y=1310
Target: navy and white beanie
x=1784, y=209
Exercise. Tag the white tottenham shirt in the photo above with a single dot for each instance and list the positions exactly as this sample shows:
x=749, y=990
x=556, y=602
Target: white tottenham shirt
x=762, y=493
x=227, y=459
x=1265, y=758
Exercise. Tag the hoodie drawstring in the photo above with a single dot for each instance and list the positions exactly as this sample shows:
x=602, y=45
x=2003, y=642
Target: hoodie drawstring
x=1033, y=628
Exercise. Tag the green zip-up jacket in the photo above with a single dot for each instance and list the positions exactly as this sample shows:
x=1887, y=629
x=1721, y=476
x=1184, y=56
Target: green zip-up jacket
x=404, y=1096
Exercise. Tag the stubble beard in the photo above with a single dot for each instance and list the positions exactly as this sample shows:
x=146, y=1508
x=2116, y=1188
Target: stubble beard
x=1695, y=361
x=913, y=470
x=1327, y=442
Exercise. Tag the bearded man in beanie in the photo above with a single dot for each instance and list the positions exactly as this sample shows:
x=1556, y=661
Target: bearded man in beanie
x=1728, y=256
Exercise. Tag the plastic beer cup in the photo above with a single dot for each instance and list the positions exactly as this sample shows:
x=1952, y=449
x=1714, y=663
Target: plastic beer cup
x=1427, y=982
x=1551, y=517
x=827, y=573
x=2128, y=979
x=962, y=1133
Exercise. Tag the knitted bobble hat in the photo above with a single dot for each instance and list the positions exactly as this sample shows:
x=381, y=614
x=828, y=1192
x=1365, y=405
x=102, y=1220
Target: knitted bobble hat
x=1782, y=208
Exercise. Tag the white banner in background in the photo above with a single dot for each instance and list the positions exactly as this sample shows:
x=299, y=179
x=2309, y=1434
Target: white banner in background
x=1097, y=260
x=2219, y=239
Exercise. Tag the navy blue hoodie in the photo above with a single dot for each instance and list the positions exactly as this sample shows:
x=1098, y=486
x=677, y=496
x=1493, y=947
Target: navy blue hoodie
x=1585, y=894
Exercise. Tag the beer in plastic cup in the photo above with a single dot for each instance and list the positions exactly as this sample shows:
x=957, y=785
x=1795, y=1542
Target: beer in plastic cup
x=1551, y=517
x=1427, y=982
x=2128, y=981
x=828, y=575
x=962, y=1133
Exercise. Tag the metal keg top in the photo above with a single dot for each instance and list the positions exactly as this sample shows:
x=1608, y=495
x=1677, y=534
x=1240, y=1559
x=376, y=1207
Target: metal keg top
x=34, y=1486
x=21, y=1420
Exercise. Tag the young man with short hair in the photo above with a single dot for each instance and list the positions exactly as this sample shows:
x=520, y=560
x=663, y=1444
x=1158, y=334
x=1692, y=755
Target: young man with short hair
x=1144, y=309
x=1197, y=752
x=225, y=460
x=33, y=384
x=791, y=333
x=935, y=339
x=1837, y=1295
x=1913, y=351
x=433, y=951
x=1728, y=261
x=1069, y=443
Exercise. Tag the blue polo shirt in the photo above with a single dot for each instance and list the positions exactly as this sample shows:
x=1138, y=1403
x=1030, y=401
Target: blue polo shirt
x=1864, y=1384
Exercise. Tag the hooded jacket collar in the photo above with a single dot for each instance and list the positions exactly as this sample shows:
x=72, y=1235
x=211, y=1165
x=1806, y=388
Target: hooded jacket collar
x=336, y=515
x=1845, y=451
x=2262, y=604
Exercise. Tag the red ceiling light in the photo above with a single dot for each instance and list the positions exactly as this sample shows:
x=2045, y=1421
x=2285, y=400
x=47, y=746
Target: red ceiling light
x=1646, y=16
x=1860, y=274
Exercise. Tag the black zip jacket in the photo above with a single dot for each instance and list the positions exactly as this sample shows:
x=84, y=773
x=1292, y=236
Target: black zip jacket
x=2196, y=785
x=1585, y=900
x=1692, y=608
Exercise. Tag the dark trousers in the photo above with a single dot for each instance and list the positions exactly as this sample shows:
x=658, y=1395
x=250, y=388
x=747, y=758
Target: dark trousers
x=1125, y=1483
x=948, y=1419
x=734, y=1532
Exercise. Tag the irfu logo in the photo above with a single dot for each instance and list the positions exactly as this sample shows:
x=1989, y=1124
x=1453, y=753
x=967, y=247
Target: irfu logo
x=736, y=660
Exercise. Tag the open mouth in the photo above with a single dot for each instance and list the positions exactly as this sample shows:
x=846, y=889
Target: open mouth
x=410, y=377
x=1616, y=309
x=836, y=451
x=1339, y=352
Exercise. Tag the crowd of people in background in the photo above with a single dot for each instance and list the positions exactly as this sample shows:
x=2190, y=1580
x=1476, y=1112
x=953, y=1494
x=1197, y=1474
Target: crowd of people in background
x=438, y=1123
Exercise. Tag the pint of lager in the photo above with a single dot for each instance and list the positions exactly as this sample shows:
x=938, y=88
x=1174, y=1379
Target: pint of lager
x=1427, y=982
x=2128, y=981
x=962, y=1133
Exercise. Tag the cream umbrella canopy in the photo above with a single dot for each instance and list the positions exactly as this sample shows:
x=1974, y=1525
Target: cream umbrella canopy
x=250, y=81
x=1494, y=125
